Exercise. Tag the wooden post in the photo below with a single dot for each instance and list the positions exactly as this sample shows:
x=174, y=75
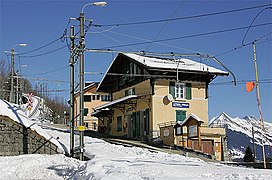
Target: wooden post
x=198, y=135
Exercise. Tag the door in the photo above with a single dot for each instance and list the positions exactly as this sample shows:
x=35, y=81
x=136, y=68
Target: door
x=129, y=125
x=146, y=122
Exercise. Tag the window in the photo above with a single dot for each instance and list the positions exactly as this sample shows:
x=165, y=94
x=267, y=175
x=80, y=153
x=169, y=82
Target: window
x=180, y=90
x=130, y=92
x=180, y=115
x=179, y=130
x=86, y=111
x=105, y=97
x=119, y=123
x=94, y=125
x=86, y=125
x=87, y=98
x=97, y=97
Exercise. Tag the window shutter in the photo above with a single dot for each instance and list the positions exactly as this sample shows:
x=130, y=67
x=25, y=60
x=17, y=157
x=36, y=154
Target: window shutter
x=180, y=115
x=172, y=88
x=188, y=91
x=183, y=115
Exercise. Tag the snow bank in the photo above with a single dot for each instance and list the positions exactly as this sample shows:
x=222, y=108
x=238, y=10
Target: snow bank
x=14, y=112
x=115, y=162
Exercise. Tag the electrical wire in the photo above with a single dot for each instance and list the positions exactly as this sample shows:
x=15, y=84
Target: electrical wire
x=244, y=45
x=189, y=36
x=241, y=82
x=253, y=22
x=52, y=42
x=144, y=39
x=163, y=27
x=183, y=18
x=46, y=53
x=55, y=70
x=113, y=39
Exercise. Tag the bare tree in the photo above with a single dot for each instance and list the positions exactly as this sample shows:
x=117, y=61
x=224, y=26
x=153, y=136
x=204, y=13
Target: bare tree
x=4, y=85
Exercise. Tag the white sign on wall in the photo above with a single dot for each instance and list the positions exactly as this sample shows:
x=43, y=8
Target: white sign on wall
x=192, y=131
x=166, y=132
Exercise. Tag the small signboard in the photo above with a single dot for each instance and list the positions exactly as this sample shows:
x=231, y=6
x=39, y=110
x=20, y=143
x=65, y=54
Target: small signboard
x=81, y=128
x=166, y=132
x=180, y=105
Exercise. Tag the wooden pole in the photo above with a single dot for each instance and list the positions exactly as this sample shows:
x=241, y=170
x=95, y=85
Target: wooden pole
x=259, y=101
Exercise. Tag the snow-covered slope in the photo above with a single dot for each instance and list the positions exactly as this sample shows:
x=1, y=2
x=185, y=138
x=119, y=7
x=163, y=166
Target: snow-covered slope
x=14, y=112
x=116, y=162
x=239, y=132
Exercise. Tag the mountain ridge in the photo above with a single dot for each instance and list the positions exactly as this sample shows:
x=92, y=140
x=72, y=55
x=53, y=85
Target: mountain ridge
x=240, y=132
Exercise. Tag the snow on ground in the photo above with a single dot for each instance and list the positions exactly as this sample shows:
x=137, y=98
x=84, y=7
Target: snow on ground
x=115, y=162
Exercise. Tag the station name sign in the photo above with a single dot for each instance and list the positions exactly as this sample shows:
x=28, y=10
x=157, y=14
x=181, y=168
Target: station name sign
x=180, y=105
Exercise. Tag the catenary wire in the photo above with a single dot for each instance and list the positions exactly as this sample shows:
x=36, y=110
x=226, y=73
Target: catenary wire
x=183, y=18
x=144, y=39
x=244, y=45
x=253, y=22
x=163, y=27
x=189, y=36
x=64, y=67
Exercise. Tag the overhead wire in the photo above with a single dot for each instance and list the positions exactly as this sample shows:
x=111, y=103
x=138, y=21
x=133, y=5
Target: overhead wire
x=245, y=45
x=163, y=27
x=113, y=39
x=55, y=70
x=46, y=53
x=241, y=81
x=189, y=36
x=183, y=18
x=253, y=22
x=48, y=44
x=144, y=39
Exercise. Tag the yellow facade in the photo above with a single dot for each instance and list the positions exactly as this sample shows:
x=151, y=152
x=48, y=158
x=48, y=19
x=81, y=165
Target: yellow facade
x=90, y=122
x=160, y=110
x=140, y=104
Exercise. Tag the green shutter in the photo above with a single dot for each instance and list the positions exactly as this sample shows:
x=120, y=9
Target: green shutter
x=85, y=111
x=172, y=88
x=188, y=91
x=180, y=115
x=183, y=115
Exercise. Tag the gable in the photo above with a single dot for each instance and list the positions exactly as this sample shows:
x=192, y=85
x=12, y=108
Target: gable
x=128, y=69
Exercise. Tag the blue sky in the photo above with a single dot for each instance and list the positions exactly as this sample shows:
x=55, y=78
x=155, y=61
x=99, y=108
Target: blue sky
x=40, y=22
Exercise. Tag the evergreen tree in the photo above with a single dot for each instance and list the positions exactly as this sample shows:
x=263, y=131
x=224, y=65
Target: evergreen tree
x=249, y=155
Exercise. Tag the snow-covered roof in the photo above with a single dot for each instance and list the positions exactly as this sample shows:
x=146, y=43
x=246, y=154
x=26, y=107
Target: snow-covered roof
x=191, y=115
x=164, y=64
x=14, y=112
x=181, y=64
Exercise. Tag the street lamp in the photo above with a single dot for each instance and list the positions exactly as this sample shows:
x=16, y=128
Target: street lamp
x=81, y=126
x=11, y=97
x=101, y=4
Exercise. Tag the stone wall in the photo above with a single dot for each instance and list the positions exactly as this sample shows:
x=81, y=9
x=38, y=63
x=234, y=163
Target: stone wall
x=15, y=139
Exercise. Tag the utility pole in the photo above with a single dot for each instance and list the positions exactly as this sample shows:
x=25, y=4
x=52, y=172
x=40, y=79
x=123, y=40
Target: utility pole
x=81, y=51
x=17, y=87
x=259, y=100
x=253, y=141
x=72, y=88
x=81, y=84
x=11, y=96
